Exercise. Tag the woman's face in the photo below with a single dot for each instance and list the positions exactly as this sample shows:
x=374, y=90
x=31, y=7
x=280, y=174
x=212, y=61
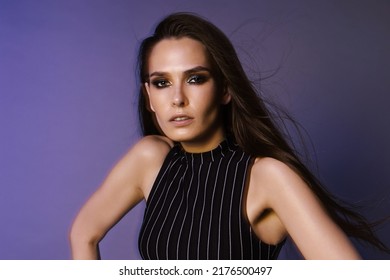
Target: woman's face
x=183, y=94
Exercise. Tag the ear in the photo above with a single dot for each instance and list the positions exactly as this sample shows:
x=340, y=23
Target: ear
x=226, y=96
x=147, y=89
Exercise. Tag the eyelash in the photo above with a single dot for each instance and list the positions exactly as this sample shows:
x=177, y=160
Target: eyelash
x=200, y=79
x=160, y=83
x=192, y=80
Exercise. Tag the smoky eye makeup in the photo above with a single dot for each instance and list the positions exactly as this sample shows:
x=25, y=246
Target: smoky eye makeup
x=195, y=76
x=160, y=83
x=198, y=79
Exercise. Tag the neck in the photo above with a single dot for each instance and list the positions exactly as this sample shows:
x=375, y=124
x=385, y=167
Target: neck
x=203, y=145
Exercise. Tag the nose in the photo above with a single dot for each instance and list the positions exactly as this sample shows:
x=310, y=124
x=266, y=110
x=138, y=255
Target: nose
x=179, y=99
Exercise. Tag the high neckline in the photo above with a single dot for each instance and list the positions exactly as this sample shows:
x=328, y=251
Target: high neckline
x=225, y=147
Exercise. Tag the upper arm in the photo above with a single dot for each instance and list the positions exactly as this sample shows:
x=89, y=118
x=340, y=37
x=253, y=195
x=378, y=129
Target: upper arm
x=301, y=213
x=125, y=186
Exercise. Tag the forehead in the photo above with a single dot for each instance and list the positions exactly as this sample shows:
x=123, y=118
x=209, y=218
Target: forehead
x=175, y=54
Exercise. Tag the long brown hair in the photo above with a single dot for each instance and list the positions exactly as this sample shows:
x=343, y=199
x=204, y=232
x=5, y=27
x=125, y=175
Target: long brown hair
x=246, y=117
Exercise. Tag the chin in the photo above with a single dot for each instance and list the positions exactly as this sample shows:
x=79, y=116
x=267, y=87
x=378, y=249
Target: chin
x=179, y=138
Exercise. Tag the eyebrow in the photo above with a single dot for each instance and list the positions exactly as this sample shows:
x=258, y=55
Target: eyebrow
x=189, y=71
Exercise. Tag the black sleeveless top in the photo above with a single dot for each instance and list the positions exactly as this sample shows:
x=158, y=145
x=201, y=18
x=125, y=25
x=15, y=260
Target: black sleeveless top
x=195, y=208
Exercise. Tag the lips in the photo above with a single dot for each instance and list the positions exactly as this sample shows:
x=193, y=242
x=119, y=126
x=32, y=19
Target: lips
x=180, y=117
x=181, y=120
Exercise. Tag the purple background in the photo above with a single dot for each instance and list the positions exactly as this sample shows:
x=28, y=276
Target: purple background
x=68, y=102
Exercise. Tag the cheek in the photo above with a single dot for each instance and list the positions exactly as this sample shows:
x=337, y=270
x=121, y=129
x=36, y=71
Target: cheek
x=155, y=103
x=159, y=108
x=211, y=103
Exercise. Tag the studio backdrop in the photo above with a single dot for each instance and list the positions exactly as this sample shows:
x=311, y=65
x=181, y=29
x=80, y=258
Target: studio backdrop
x=68, y=103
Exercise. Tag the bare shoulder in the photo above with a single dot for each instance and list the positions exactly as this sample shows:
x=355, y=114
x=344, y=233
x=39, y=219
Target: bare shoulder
x=146, y=158
x=266, y=193
x=145, y=153
x=268, y=178
x=148, y=154
x=271, y=164
x=273, y=170
x=152, y=147
x=276, y=186
x=138, y=168
x=275, y=179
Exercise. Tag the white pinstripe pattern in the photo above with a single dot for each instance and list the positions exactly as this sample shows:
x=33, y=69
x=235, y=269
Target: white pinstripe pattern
x=202, y=212
x=235, y=185
x=195, y=209
x=212, y=205
x=166, y=216
x=186, y=212
x=154, y=224
x=221, y=205
x=151, y=197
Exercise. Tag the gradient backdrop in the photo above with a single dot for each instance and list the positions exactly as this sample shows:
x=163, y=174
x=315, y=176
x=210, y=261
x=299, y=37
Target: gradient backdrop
x=68, y=102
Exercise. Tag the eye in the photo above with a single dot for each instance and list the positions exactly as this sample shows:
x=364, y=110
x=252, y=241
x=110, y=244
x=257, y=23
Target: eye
x=160, y=83
x=197, y=79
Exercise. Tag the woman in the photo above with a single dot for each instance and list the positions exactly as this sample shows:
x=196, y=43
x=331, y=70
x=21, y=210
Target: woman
x=219, y=179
